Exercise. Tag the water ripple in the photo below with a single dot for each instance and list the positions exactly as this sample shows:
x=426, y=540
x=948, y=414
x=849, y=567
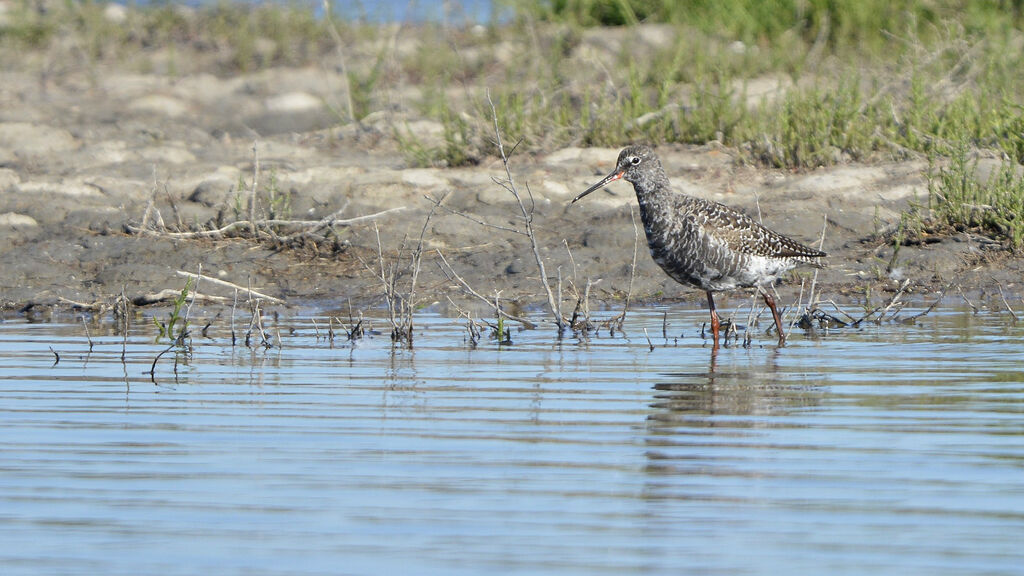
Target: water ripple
x=887, y=448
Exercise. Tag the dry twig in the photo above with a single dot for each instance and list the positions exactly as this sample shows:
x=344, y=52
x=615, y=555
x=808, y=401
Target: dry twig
x=1005, y=303
x=509, y=185
x=448, y=271
x=249, y=291
x=309, y=225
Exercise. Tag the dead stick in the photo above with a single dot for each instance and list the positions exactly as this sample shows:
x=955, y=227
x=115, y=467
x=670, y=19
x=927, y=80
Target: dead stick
x=452, y=275
x=892, y=302
x=472, y=218
x=1005, y=303
x=230, y=285
x=960, y=289
x=252, y=191
x=314, y=224
x=509, y=184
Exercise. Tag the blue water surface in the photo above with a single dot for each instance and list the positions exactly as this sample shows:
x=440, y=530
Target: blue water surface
x=893, y=449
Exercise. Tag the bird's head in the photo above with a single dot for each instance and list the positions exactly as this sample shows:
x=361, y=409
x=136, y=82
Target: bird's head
x=634, y=164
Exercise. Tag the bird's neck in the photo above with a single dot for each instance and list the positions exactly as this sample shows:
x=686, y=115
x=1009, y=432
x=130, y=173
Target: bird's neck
x=654, y=195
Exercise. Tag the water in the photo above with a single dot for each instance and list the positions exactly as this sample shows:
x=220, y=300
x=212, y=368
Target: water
x=889, y=449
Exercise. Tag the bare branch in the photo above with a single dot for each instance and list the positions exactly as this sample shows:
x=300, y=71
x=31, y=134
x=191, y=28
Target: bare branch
x=527, y=219
x=1005, y=303
x=219, y=282
x=452, y=275
x=315, y=224
x=252, y=190
x=471, y=218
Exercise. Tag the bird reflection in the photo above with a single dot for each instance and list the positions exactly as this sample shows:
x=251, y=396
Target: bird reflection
x=740, y=389
x=697, y=420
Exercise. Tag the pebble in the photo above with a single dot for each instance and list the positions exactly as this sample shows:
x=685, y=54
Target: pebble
x=8, y=179
x=159, y=104
x=35, y=139
x=424, y=178
x=218, y=188
x=294, y=102
x=73, y=189
x=15, y=220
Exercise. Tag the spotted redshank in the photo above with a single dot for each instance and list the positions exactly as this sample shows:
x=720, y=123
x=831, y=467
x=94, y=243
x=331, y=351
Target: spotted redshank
x=704, y=243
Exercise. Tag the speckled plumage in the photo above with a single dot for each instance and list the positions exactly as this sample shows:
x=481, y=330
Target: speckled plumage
x=703, y=243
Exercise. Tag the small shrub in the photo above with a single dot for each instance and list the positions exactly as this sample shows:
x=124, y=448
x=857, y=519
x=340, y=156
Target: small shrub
x=994, y=208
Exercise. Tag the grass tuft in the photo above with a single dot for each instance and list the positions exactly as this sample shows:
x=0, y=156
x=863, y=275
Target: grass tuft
x=796, y=84
x=993, y=208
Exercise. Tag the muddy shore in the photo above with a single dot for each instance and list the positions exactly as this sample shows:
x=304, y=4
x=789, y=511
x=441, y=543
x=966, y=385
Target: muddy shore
x=85, y=156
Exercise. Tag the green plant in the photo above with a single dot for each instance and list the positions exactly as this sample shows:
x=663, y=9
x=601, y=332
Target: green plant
x=363, y=86
x=279, y=204
x=166, y=329
x=457, y=147
x=994, y=208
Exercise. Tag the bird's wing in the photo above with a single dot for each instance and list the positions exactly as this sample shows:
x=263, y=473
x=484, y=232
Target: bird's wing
x=742, y=234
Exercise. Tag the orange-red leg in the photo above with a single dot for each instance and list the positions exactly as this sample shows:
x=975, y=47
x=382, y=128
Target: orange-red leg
x=775, y=314
x=715, y=325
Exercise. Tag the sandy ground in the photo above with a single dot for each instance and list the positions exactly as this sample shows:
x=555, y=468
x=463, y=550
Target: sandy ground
x=83, y=154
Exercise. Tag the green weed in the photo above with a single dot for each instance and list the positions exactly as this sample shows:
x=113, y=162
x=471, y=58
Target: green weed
x=279, y=203
x=994, y=208
x=868, y=80
x=457, y=146
x=167, y=329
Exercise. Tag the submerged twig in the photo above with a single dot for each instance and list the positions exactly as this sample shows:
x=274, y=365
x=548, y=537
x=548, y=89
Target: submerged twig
x=88, y=336
x=814, y=278
x=942, y=294
x=999, y=286
x=960, y=289
x=121, y=308
x=180, y=340
x=894, y=299
x=884, y=309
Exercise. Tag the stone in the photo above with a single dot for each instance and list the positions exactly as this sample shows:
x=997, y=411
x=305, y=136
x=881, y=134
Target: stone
x=115, y=13
x=424, y=178
x=159, y=104
x=69, y=188
x=35, y=139
x=218, y=189
x=8, y=179
x=294, y=102
x=169, y=154
x=15, y=220
x=556, y=190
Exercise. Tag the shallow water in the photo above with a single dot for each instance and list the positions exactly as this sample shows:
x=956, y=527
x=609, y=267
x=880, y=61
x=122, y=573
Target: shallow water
x=895, y=449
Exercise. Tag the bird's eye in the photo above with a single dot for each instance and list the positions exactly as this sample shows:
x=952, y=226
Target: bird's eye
x=634, y=160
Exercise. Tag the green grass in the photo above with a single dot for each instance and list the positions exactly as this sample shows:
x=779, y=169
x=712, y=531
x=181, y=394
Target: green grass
x=993, y=208
x=235, y=36
x=851, y=60
x=166, y=329
x=856, y=80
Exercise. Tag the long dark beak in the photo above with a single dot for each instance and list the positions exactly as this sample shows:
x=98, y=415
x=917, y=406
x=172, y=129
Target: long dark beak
x=607, y=180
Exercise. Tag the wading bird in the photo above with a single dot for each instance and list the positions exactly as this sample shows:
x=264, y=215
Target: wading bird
x=704, y=243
